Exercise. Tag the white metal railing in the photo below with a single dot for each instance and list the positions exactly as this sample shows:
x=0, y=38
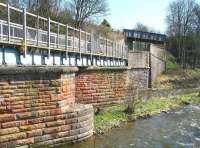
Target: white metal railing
x=69, y=40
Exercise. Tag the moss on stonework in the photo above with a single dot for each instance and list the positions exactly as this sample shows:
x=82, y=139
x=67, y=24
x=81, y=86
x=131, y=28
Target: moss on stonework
x=55, y=83
x=111, y=117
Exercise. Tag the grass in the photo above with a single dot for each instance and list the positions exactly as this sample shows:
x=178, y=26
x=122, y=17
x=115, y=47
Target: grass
x=171, y=63
x=176, y=77
x=111, y=117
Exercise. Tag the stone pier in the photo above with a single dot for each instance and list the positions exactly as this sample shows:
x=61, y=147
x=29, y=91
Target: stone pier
x=37, y=107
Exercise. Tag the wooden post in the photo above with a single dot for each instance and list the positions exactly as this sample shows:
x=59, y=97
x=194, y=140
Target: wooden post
x=132, y=102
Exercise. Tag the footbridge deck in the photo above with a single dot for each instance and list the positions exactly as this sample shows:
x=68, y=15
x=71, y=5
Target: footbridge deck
x=30, y=39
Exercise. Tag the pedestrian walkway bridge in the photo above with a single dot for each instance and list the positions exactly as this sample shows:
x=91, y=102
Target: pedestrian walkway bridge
x=29, y=39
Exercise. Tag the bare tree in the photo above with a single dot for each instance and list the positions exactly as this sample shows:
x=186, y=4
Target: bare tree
x=86, y=9
x=141, y=27
x=181, y=19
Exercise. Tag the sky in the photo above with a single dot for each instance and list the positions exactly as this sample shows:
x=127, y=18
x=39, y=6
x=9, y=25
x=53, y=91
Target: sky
x=127, y=13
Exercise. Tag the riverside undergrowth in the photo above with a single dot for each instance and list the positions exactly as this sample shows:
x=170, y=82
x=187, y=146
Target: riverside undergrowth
x=114, y=116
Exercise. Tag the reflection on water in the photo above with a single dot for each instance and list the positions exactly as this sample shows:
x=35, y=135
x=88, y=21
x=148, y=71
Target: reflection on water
x=179, y=128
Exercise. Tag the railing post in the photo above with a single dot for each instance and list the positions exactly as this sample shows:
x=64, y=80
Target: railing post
x=92, y=47
x=37, y=30
x=49, y=37
x=86, y=42
x=79, y=39
x=58, y=32
x=113, y=53
x=8, y=11
x=73, y=38
x=112, y=47
x=66, y=41
x=122, y=51
x=25, y=34
x=1, y=33
x=106, y=47
x=80, y=45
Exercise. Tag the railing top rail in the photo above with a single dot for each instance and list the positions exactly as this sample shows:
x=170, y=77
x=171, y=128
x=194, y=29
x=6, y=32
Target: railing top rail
x=74, y=33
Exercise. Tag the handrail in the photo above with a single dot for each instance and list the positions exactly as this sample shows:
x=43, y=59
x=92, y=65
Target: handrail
x=70, y=40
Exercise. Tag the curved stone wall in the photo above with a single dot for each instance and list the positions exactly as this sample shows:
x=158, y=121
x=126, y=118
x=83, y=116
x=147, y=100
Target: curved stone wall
x=37, y=108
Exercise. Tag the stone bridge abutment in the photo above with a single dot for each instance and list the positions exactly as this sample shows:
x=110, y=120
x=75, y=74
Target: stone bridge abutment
x=42, y=106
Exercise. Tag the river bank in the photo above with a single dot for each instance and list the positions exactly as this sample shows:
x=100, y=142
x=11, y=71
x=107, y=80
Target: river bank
x=114, y=116
x=179, y=128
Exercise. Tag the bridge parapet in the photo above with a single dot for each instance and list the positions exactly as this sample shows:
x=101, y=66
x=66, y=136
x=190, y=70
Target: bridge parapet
x=56, y=43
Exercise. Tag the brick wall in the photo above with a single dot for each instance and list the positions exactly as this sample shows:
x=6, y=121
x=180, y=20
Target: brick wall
x=37, y=107
x=107, y=86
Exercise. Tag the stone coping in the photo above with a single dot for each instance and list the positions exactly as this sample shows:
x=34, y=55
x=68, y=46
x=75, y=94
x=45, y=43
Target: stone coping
x=132, y=68
x=36, y=69
x=110, y=68
x=93, y=68
x=137, y=51
x=57, y=69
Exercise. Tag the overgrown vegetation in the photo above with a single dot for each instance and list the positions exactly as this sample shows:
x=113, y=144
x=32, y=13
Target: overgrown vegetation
x=111, y=117
x=177, y=77
x=171, y=63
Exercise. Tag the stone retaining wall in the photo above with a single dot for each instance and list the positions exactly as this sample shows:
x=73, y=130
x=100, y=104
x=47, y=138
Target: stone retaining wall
x=37, y=107
x=158, y=65
x=102, y=86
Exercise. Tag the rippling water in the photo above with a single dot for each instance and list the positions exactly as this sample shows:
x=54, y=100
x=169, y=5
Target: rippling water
x=177, y=129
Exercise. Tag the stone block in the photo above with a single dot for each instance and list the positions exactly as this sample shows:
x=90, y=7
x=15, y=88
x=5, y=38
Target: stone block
x=42, y=138
x=7, y=117
x=12, y=137
x=32, y=127
x=27, y=141
x=34, y=133
x=55, y=123
x=9, y=131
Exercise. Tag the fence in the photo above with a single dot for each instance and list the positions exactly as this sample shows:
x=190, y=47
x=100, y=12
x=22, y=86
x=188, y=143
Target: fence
x=20, y=27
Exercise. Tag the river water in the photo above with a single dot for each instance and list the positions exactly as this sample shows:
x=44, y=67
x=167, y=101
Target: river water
x=177, y=129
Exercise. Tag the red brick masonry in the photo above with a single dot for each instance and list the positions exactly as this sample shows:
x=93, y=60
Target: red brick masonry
x=38, y=108
x=100, y=86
